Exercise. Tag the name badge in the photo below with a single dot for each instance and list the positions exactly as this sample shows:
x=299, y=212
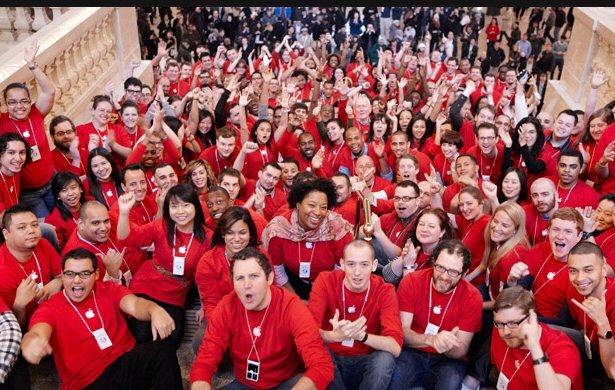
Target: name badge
x=127, y=277
x=35, y=153
x=304, y=270
x=178, y=265
x=252, y=370
x=502, y=383
x=348, y=343
x=588, y=346
x=102, y=338
x=486, y=177
x=431, y=329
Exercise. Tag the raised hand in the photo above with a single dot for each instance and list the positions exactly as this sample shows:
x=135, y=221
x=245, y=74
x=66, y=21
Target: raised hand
x=126, y=201
x=30, y=51
x=595, y=308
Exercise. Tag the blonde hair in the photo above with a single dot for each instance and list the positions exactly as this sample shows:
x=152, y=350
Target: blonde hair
x=494, y=254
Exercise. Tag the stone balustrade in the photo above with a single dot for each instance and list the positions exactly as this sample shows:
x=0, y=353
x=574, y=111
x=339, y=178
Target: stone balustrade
x=81, y=49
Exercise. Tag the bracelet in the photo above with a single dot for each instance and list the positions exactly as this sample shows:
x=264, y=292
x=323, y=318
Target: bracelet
x=32, y=67
x=543, y=359
x=410, y=267
x=364, y=339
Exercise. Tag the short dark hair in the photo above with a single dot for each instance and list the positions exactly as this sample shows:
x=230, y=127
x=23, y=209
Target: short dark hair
x=80, y=254
x=251, y=252
x=56, y=120
x=571, y=152
x=131, y=167
x=586, y=248
x=515, y=296
x=19, y=208
x=454, y=246
x=10, y=136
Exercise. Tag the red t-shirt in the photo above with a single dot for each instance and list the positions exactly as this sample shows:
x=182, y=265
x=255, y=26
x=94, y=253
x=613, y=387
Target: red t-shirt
x=348, y=210
x=490, y=168
x=216, y=161
x=473, y=236
x=141, y=213
x=580, y=195
x=499, y=274
x=108, y=189
x=38, y=173
x=537, y=227
x=289, y=343
x=550, y=279
x=9, y=191
x=378, y=304
x=579, y=317
x=256, y=160
x=133, y=257
x=62, y=163
x=64, y=229
x=159, y=284
x=395, y=229
x=516, y=363
x=79, y=359
x=273, y=201
x=213, y=277
x=45, y=264
x=462, y=307
x=606, y=242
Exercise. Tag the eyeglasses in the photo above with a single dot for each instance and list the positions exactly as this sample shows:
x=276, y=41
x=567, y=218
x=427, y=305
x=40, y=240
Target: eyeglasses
x=63, y=133
x=451, y=272
x=509, y=324
x=404, y=198
x=83, y=274
x=135, y=91
x=13, y=103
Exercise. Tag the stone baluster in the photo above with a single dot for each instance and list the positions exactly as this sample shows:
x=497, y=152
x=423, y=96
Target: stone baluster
x=6, y=26
x=86, y=59
x=56, y=12
x=94, y=48
x=22, y=25
x=75, y=65
x=68, y=76
x=53, y=71
x=108, y=39
x=40, y=18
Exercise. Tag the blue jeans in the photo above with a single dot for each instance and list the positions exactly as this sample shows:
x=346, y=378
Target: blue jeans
x=416, y=368
x=364, y=372
x=40, y=200
x=286, y=385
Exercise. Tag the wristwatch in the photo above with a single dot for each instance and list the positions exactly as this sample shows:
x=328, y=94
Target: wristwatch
x=606, y=336
x=410, y=267
x=543, y=359
x=586, y=235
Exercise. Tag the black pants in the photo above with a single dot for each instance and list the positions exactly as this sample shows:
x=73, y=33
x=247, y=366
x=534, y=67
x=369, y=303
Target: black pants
x=142, y=330
x=149, y=365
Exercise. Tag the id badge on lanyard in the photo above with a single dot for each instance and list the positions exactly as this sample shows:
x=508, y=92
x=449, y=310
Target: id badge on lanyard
x=102, y=338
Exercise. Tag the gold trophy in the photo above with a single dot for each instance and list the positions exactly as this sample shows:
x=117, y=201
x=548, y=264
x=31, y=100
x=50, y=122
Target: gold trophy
x=368, y=227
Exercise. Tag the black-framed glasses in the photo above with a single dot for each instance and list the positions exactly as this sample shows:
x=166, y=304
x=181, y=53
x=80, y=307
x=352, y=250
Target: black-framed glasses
x=451, y=272
x=83, y=274
x=404, y=198
x=509, y=324
x=13, y=103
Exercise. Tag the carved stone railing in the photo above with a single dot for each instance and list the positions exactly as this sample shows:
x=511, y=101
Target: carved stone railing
x=81, y=50
x=592, y=43
x=18, y=23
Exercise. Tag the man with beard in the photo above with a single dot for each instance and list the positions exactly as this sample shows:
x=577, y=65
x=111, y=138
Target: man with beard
x=571, y=191
x=85, y=329
x=94, y=233
x=543, y=270
x=538, y=214
x=529, y=354
x=440, y=312
x=153, y=150
x=592, y=308
x=290, y=349
x=67, y=156
x=358, y=314
x=303, y=152
x=30, y=269
x=264, y=197
x=345, y=199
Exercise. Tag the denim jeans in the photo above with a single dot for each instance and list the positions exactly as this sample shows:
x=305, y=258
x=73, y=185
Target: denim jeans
x=364, y=372
x=416, y=368
x=40, y=200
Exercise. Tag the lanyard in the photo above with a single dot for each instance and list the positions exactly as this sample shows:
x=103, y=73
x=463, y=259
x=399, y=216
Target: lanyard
x=307, y=244
x=548, y=278
x=445, y=309
x=27, y=132
x=79, y=314
x=185, y=249
x=100, y=250
x=9, y=191
x=38, y=265
x=569, y=191
x=255, y=332
x=369, y=285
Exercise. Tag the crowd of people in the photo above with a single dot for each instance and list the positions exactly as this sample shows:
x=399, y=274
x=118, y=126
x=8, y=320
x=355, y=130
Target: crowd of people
x=359, y=200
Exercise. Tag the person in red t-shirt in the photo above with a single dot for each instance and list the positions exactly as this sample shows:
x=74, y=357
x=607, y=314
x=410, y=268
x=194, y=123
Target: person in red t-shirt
x=529, y=354
x=544, y=203
x=69, y=193
x=180, y=238
x=85, y=328
x=346, y=199
x=103, y=182
x=571, y=191
x=546, y=264
x=440, y=312
x=145, y=209
x=263, y=195
x=28, y=119
x=592, y=308
x=273, y=338
x=67, y=156
x=222, y=155
x=358, y=314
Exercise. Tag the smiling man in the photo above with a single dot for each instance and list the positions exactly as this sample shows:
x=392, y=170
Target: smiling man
x=592, y=308
x=571, y=191
x=543, y=270
x=84, y=328
x=273, y=339
x=358, y=314
x=145, y=209
x=440, y=312
x=529, y=354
